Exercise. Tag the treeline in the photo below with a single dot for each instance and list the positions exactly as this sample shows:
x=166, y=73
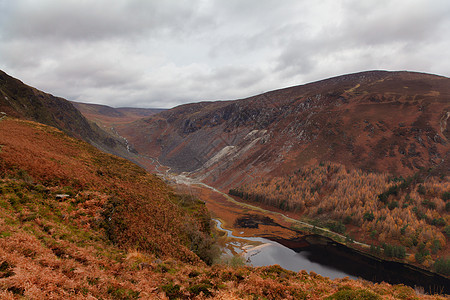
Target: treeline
x=408, y=212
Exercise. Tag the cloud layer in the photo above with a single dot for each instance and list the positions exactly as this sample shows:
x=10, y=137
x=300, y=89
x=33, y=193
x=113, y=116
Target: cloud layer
x=165, y=53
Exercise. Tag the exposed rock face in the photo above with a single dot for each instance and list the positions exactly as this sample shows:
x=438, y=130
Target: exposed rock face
x=379, y=121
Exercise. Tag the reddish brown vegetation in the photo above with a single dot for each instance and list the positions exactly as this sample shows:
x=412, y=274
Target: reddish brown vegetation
x=57, y=246
x=134, y=203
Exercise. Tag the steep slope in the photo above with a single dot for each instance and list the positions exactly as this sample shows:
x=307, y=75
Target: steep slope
x=78, y=223
x=381, y=121
x=127, y=194
x=22, y=101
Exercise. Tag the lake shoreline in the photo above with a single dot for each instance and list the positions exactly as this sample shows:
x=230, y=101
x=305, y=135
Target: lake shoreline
x=371, y=267
x=323, y=250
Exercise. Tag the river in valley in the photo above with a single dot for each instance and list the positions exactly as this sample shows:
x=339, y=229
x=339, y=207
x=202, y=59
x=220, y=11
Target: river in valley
x=330, y=259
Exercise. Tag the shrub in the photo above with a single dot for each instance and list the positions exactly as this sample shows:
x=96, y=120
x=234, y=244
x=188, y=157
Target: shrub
x=237, y=261
x=435, y=246
x=446, y=196
x=236, y=192
x=373, y=234
x=338, y=227
x=368, y=216
x=375, y=249
x=392, y=205
x=394, y=251
x=202, y=244
x=438, y=222
x=6, y=270
x=383, y=197
x=403, y=229
x=122, y=293
x=172, y=290
x=393, y=190
x=442, y=265
x=421, y=189
x=428, y=203
x=347, y=220
x=447, y=230
x=422, y=253
x=348, y=294
x=196, y=289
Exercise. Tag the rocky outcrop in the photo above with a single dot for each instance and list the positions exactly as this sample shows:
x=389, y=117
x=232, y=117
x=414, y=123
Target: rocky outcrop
x=379, y=121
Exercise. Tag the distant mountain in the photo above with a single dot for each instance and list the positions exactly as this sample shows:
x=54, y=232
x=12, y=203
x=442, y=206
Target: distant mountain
x=104, y=114
x=382, y=121
x=22, y=101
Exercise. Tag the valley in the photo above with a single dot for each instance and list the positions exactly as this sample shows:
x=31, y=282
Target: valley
x=363, y=156
x=328, y=169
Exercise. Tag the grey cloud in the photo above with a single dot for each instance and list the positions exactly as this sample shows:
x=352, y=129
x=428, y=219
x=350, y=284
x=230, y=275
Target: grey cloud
x=413, y=21
x=164, y=53
x=373, y=32
x=93, y=20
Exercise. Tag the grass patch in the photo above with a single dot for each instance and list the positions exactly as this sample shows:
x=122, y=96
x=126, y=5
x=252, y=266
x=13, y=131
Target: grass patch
x=348, y=294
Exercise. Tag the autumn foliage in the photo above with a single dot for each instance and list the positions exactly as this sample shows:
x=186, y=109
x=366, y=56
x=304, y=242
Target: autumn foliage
x=382, y=209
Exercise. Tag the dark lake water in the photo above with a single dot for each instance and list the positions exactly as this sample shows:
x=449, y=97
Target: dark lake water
x=333, y=260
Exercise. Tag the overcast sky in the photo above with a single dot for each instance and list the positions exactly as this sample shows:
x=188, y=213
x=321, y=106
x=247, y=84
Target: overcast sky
x=162, y=53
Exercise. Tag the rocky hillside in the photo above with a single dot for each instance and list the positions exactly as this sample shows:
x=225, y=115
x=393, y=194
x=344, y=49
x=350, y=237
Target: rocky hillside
x=394, y=122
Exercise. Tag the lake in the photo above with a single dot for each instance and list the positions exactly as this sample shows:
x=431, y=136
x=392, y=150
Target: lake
x=330, y=259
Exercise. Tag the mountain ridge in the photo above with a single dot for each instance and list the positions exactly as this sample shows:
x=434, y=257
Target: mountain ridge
x=398, y=117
